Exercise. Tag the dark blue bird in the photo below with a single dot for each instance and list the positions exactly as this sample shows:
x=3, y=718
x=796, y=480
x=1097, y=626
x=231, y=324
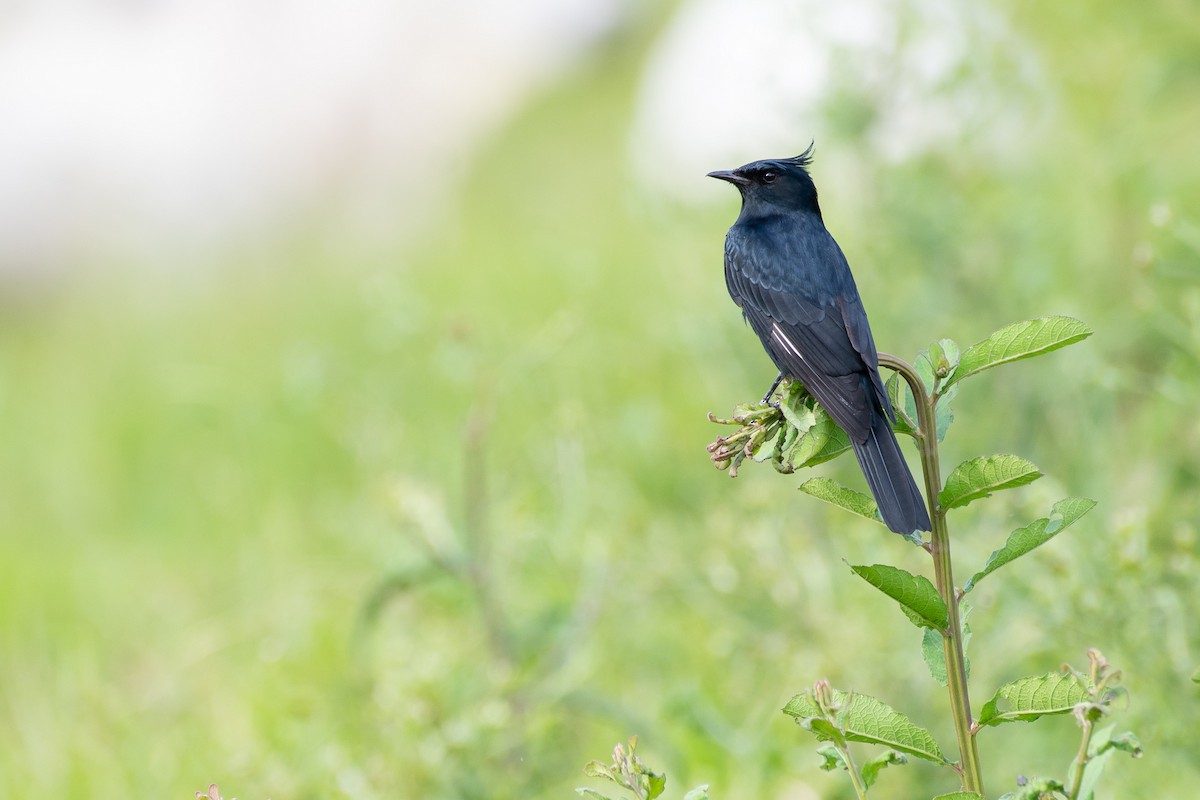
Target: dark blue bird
x=795, y=289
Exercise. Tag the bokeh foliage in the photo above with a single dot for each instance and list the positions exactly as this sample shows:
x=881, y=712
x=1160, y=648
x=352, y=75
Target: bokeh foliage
x=437, y=521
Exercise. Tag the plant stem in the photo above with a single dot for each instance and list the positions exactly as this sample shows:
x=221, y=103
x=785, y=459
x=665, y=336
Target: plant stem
x=1081, y=760
x=1098, y=677
x=860, y=789
x=939, y=549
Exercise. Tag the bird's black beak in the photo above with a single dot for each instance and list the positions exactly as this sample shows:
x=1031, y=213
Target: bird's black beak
x=729, y=175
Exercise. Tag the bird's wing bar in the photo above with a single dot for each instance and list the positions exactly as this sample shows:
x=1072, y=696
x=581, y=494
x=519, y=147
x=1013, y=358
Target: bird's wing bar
x=844, y=396
x=815, y=328
x=802, y=324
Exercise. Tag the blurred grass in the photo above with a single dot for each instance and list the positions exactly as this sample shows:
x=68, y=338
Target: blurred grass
x=438, y=521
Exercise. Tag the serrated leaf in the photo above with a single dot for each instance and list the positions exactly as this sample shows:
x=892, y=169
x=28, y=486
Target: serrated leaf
x=1034, y=535
x=1027, y=699
x=979, y=477
x=835, y=441
x=595, y=769
x=862, y=718
x=959, y=796
x=871, y=769
x=832, y=492
x=814, y=426
x=815, y=438
x=917, y=596
x=934, y=652
x=797, y=409
x=1020, y=340
x=699, y=793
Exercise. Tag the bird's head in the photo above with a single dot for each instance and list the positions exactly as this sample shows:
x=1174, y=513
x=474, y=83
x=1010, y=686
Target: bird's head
x=782, y=182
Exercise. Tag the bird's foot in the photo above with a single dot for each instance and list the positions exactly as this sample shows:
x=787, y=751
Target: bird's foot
x=766, y=401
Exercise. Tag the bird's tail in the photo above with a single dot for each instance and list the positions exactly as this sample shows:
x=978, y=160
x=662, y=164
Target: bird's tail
x=896, y=493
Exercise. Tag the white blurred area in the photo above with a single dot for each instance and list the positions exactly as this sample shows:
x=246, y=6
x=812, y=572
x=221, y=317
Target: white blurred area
x=159, y=131
x=156, y=130
x=731, y=81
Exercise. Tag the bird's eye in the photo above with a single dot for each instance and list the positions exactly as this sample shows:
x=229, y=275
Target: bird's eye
x=769, y=177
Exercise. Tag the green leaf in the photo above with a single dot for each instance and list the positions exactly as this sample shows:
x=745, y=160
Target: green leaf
x=798, y=410
x=1091, y=776
x=814, y=437
x=595, y=769
x=771, y=448
x=699, y=793
x=814, y=425
x=905, y=408
x=959, y=796
x=934, y=652
x=825, y=730
x=924, y=369
x=918, y=598
x=832, y=492
x=831, y=758
x=1020, y=340
x=944, y=359
x=871, y=769
x=979, y=477
x=592, y=793
x=937, y=363
x=1037, y=533
x=861, y=718
x=1099, y=753
x=1026, y=699
x=655, y=783
x=1126, y=743
x=1100, y=750
x=1036, y=789
x=943, y=414
x=836, y=442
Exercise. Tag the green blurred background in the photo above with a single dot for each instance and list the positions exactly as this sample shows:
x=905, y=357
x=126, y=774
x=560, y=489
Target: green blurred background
x=432, y=516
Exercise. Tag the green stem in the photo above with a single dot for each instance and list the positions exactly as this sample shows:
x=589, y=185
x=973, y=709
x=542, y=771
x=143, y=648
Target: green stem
x=860, y=789
x=939, y=549
x=1098, y=678
x=1081, y=760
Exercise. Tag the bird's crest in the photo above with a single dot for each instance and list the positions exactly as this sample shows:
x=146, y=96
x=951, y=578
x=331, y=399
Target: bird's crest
x=804, y=160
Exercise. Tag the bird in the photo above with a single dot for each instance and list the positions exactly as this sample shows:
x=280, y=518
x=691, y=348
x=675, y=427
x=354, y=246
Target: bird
x=790, y=278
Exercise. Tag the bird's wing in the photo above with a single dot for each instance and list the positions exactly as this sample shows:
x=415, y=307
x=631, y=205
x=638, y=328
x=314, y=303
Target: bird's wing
x=857, y=326
x=818, y=334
